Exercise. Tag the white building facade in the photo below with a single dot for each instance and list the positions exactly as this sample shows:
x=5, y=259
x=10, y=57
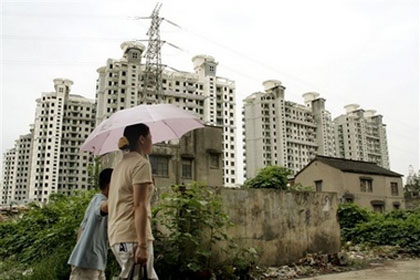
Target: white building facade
x=212, y=98
x=9, y=178
x=23, y=156
x=361, y=135
x=62, y=122
x=280, y=132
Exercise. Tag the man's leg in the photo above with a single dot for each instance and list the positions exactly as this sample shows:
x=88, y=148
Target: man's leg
x=151, y=273
x=124, y=253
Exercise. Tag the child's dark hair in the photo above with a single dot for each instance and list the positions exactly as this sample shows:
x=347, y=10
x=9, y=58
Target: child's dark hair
x=105, y=178
x=131, y=135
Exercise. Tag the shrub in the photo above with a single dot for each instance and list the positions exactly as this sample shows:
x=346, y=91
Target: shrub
x=43, y=230
x=349, y=215
x=273, y=177
x=42, y=240
x=188, y=222
x=396, y=228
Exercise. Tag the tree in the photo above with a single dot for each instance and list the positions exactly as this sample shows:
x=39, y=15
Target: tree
x=412, y=186
x=270, y=177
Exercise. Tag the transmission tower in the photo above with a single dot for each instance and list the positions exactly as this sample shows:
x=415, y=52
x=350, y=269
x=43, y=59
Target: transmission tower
x=153, y=69
x=152, y=78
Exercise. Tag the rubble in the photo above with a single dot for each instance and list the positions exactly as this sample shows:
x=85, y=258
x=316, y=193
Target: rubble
x=352, y=257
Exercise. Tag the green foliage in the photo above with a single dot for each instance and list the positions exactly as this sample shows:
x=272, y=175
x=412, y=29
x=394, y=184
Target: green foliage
x=240, y=265
x=43, y=239
x=272, y=177
x=396, y=228
x=349, y=215
x=189, y=221
x=301, y=188
x=43, y=230
x=412, y=186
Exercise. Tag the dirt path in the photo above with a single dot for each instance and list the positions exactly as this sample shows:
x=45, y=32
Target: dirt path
x=392, y=270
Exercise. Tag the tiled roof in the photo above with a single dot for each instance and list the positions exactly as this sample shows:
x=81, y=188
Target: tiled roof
x=356, y=166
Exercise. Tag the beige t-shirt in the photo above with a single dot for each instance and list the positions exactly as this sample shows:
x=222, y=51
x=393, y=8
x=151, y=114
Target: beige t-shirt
x=132, y=169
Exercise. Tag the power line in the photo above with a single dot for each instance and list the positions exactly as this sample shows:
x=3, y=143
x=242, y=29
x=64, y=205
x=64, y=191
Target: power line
x=275, y=70
x=187, y=30
x=46, y=62
x=60, y=39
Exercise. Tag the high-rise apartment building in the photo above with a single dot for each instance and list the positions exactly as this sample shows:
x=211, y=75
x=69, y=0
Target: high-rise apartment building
x=8, y=180
x=212, y=98
x=280, y=132
x=62, y=122
x=361, y=135
x=23, y=153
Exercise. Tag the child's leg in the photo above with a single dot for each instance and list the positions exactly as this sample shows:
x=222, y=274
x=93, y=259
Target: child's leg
x=79, y=273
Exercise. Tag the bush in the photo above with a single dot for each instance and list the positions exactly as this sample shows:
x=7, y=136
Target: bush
x=272, y=177
x=349, y=215
x=396, y=228
x=41, y=242
x=188, y=222
x=43, y=230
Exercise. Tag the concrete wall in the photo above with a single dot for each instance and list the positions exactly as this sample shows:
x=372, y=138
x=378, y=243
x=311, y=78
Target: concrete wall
x=282, y=226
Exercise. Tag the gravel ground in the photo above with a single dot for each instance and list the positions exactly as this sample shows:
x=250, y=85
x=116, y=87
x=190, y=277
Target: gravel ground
x=349, y=259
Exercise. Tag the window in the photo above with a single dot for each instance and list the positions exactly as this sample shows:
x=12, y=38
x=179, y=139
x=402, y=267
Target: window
x=366, y=185
x=187, y=168
x=318, y=186
x=394, y=188
x=378, y=206
x=159, y=165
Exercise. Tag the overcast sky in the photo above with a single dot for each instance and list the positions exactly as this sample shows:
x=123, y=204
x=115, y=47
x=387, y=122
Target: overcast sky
x=359, y=51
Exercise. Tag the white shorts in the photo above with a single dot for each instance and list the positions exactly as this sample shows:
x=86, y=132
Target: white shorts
x=124, y=253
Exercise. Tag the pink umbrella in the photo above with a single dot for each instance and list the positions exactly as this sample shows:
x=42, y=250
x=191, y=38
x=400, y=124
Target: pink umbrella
x=166, y=122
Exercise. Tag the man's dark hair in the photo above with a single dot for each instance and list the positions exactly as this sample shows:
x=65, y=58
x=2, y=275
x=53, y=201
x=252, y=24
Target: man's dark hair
x=105, y=178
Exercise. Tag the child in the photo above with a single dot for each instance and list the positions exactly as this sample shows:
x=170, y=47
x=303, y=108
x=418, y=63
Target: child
x=89, y=256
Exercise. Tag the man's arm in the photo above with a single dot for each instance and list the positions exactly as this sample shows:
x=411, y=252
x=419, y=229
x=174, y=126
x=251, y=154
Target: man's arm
x=140, y=193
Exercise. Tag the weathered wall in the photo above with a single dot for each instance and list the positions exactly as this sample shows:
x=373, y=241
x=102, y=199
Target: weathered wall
x=332, y=178
x=199, y=146
x=283, y=226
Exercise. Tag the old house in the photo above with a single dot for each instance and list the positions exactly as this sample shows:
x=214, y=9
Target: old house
x=364, y=183
x=197, y=156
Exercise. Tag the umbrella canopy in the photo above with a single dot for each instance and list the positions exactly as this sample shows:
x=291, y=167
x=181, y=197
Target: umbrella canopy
x=166, y=122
